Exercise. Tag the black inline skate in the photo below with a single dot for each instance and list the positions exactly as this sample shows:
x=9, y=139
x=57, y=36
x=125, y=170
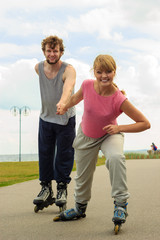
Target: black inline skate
x=45, y=197
x=120, y=214
x=61, y=198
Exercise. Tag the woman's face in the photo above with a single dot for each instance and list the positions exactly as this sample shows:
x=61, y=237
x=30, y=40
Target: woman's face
x=105, y=78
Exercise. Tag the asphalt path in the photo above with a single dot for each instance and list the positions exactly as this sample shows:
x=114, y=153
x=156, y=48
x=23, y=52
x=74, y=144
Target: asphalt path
x=19, y=222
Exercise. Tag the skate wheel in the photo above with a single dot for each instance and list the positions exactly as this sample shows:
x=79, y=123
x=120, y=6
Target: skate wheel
x=62, y=208
x=116, y=229
x=56, y=219
x=36, y=209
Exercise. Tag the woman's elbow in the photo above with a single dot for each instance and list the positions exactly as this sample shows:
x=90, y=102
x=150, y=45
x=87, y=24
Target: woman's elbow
x=147, y=125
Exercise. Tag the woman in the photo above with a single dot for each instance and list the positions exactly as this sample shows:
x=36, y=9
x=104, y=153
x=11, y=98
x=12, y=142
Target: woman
x=103, y=103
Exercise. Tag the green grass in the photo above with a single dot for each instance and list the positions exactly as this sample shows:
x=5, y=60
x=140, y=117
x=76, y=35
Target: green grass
x=141, y=156
x=16, y=172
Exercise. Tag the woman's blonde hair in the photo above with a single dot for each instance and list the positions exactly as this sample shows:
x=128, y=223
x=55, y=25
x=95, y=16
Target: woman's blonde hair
x=106, y=63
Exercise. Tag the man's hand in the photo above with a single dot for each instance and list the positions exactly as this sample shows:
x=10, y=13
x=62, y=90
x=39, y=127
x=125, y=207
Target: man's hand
x=61, y=108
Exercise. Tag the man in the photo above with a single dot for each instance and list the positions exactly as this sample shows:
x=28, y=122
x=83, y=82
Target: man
x=56, y=133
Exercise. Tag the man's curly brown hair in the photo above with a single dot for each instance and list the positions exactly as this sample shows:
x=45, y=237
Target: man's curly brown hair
x=52, y=41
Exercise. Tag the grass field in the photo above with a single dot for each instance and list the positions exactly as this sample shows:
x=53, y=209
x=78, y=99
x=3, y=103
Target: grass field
x=16, y=172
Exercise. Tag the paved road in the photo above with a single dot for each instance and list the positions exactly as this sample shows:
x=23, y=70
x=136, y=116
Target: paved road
x=19, y=222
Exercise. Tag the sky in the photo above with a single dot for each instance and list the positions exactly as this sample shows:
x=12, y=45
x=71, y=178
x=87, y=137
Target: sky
x=127, y=30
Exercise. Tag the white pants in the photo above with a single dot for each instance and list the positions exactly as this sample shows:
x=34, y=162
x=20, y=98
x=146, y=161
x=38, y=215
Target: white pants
x=86, y=153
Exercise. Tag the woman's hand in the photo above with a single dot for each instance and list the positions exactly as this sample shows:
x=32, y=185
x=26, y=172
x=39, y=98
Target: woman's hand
x=111, y=129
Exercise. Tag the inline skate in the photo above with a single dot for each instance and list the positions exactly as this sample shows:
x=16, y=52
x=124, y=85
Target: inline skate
x=120, y=214
x=61, y=198
x=72, y=214
x=44, y=198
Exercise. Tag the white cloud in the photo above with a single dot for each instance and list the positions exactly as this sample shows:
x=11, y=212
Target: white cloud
x=9, y=133
x=143, y=16
x=148, y=78
x=9, y=50
x=34, y=17
x=96, y=16
x=100, y=20
x=141, y=80
x=19, y=85
x=142, y=46
x=85, y=49
x=40, y=4
x=83, y=71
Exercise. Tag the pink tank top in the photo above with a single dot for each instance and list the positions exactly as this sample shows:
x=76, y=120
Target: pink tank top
x=99, y=111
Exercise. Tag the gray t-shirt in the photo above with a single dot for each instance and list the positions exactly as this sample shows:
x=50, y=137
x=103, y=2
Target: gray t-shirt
x=51, y=91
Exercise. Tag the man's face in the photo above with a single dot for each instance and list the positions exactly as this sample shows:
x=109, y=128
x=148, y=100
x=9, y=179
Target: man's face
x=52, y=54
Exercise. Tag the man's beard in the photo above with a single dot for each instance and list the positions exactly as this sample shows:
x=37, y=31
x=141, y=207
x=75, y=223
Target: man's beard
x=51, y=63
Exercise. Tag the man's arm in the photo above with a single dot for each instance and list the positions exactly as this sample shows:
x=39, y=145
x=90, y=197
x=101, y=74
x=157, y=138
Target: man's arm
x=69, y=78
x=36, y=68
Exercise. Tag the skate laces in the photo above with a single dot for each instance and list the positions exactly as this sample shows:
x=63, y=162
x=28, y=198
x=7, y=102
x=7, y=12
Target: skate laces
x=120, y=211
x=80, y=208
x=61, y=190
x=44, y=188
x=59, y=193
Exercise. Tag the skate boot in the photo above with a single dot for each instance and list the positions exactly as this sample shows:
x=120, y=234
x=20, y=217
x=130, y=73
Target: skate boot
x=45, y=197
x=73, y=213
x=120, y=215
x=61, y=199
